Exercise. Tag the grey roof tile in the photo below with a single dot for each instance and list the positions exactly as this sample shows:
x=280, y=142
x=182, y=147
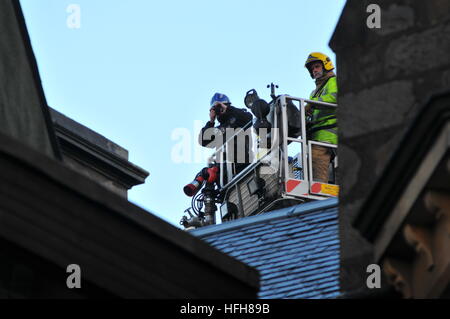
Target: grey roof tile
x=296, y=250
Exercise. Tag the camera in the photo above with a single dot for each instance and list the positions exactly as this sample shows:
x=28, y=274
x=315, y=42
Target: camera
x=218, y=109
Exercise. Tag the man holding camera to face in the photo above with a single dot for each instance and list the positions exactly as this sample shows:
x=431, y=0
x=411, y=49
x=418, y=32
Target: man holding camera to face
x=231, y=120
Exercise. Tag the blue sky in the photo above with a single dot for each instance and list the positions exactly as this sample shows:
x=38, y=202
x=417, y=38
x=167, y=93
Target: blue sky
x=136, y=71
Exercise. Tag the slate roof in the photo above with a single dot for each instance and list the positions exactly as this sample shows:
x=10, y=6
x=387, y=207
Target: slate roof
x=295, y=249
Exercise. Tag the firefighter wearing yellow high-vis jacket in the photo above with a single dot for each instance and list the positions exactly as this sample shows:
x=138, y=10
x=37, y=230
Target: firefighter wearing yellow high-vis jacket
x=322, y=126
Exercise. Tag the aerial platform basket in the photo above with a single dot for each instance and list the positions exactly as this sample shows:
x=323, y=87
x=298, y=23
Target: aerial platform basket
x=280, y=174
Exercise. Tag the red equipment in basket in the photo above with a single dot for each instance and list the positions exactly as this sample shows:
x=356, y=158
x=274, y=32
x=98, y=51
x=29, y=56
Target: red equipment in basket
x=208, y=174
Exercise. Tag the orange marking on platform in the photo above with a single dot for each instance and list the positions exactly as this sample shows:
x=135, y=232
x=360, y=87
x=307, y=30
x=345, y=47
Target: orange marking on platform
x=316, y=187
x=291, y=184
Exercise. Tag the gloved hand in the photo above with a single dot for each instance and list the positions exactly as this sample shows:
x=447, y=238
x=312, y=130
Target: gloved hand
x=212, y=115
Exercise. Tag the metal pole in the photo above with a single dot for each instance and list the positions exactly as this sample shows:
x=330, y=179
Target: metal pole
x=284, y=149
x=305, y=152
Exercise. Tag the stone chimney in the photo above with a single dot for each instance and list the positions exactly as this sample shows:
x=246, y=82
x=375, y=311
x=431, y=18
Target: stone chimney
x=385, y=75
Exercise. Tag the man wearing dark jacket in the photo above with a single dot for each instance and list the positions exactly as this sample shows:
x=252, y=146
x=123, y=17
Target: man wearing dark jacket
x=231, y=120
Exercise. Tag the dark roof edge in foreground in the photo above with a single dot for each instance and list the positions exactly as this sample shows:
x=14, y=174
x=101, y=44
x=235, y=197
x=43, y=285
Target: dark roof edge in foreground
x=276, y=214
x=37, y=78
x=89, y=190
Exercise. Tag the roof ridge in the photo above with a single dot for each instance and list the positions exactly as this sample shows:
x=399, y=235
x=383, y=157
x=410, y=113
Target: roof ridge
x=268, y=216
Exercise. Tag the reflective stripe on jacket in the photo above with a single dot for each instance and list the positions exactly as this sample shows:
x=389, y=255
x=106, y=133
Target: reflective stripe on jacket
x=324, y=128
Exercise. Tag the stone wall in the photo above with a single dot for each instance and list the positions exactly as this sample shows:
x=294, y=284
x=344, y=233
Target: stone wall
x=385, y=75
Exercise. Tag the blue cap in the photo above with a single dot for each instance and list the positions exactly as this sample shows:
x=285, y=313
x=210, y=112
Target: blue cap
x=219, y=97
